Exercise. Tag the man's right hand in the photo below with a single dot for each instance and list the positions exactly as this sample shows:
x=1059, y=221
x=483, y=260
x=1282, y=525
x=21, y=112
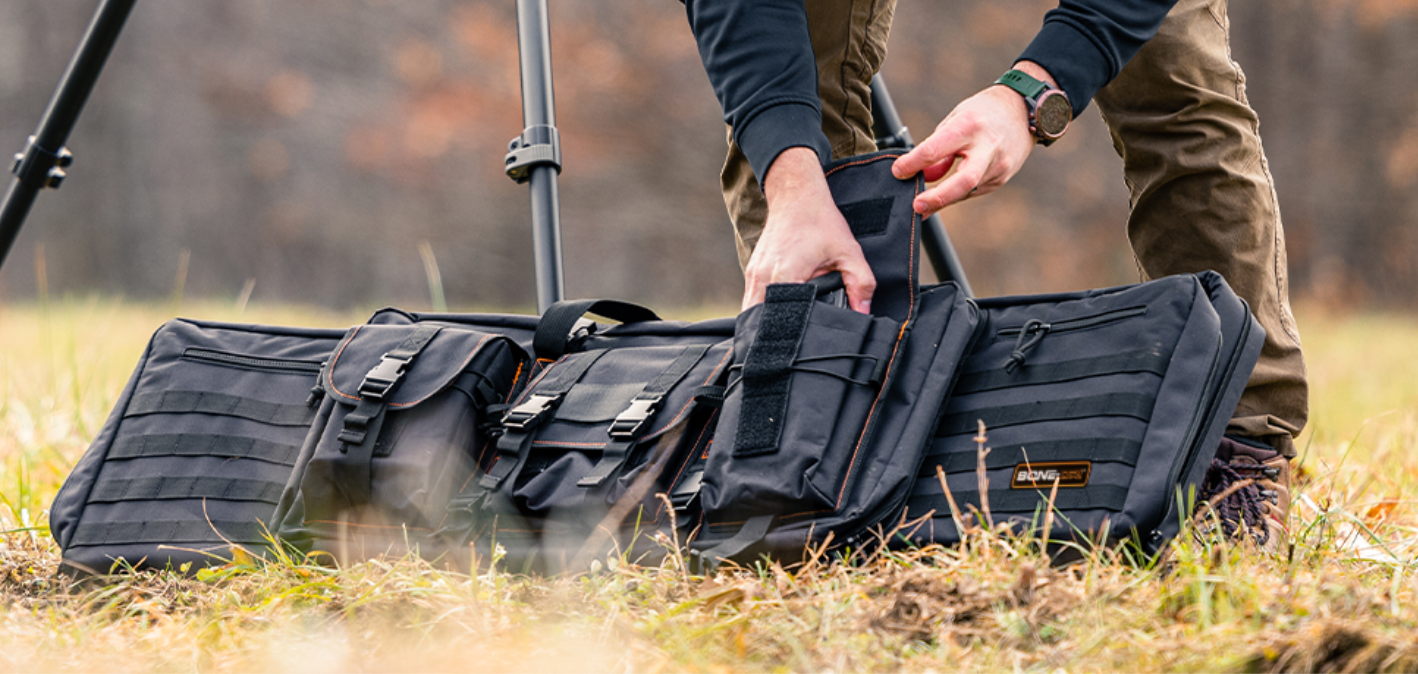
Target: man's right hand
x=805, y=235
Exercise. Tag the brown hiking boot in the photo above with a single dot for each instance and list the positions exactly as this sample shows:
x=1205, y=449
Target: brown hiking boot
x=1246, y=493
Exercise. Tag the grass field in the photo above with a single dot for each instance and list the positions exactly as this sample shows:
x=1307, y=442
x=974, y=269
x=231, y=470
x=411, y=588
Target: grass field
x=1342, y=597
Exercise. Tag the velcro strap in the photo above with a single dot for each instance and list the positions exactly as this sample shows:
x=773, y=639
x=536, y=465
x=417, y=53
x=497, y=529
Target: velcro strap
x=1094, y=450
x=221, y=404
x=1069, y=370
x=168, y=531
x=1133, y=405
x=195, y=444
x=168, y=488
x=768, y=366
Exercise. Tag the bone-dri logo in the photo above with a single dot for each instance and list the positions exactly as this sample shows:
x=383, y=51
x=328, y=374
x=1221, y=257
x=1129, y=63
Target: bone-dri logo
x=1043, y=475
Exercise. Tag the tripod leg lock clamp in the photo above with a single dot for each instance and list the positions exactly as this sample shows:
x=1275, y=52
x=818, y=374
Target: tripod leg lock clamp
x=537, y=146
x=39, y=168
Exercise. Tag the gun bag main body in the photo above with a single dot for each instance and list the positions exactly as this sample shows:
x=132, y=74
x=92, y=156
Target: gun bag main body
x=196, y=452
x=1112, y=402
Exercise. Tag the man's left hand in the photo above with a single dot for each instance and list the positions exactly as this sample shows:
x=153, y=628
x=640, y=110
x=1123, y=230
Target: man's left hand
x=985, y=140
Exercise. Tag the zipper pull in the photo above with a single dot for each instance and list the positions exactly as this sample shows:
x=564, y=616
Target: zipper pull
x=317, y=392
x=1033, y=331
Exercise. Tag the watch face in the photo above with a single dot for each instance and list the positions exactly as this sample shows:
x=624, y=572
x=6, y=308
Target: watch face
x=1052, y=114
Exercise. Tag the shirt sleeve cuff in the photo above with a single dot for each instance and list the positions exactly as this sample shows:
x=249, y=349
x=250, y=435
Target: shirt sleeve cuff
x=1076, y=62
x=777, y=128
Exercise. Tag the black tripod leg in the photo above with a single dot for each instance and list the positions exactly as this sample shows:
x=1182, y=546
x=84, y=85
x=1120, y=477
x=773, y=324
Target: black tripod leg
x=891, y=133
x=44, y=159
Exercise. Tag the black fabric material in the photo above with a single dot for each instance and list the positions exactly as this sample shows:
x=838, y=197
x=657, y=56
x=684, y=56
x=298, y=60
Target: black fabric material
x=868, y=217
x=198, y=444
x=750, y=533
x=1098, y=497
x=206, y=402
x=614, y=455
x=1108, y=404
x=1095, y=450
x=166, y=488
x=1070, y=370
x=786, y=310
x=514, y=446
x=561, y=317
x=174, y=532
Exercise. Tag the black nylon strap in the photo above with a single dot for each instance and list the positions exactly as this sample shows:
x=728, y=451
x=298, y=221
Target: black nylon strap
x=196, y=444
x=1107, y=405
x=381, y=381
x=168, y=488
x=1069, y=370
x=560, y=318
x=768, y=366
x=622, y=439
x=1102, y=497
x=1095, y=450
x=515, y=445
x=222, y=404
x=360, y=431
x=751, y=532
x=170, y=531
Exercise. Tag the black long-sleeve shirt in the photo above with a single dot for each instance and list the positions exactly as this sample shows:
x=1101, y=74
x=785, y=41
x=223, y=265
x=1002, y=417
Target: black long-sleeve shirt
x=758, y=55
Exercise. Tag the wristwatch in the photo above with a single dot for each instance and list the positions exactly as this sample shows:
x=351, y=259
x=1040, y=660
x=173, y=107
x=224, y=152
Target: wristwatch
x=1049, y=109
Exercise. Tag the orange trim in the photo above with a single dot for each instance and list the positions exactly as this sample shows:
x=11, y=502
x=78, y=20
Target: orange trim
x=689, y=458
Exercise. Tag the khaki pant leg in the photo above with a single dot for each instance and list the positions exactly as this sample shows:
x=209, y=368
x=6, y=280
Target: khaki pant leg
x=1203, y=197
x=849, y=42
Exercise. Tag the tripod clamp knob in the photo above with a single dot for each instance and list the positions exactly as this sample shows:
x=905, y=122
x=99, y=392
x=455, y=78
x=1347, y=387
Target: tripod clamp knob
x=39, y=168
x=537, y=146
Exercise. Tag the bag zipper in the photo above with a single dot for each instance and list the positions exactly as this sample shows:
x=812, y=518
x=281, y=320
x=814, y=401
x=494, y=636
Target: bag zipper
x=1080, y=323
x=893, y=506
x=253, y=362
x=1192, y=451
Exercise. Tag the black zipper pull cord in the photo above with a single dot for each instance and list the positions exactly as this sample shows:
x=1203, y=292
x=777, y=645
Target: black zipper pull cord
x=1033, y=331
x=317, y=391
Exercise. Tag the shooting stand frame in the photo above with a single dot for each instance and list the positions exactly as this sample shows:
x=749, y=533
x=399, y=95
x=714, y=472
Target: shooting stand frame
x=533, y=157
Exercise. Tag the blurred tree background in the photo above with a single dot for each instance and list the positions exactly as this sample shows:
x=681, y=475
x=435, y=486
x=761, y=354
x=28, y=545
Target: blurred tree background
x=310, y=147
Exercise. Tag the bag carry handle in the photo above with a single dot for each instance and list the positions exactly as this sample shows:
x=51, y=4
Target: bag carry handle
x=554, y=330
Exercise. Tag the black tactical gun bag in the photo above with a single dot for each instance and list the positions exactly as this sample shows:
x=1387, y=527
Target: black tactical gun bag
x=1117, y=397
x=197, y=451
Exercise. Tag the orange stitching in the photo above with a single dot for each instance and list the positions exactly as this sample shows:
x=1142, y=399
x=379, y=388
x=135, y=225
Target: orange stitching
x=672, y=422
x=862, y=162
x=331, y=374
x=708, y=424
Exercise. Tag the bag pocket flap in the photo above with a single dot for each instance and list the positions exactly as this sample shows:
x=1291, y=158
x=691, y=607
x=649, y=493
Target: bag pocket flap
x=405, y=364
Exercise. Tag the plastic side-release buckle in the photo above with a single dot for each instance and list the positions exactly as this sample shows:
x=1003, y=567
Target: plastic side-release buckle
x=530, y=413
x=628, y=422
x=383, y=377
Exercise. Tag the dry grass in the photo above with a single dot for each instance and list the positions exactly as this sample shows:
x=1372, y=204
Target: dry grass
x=1341, y=597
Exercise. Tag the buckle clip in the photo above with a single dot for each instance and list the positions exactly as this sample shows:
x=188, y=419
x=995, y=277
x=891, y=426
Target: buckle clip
x=529, y=413
x=383, y=378
x=628, y=422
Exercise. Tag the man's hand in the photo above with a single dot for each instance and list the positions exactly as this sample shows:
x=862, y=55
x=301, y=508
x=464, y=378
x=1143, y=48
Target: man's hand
x=805, y=235
x=985, y=139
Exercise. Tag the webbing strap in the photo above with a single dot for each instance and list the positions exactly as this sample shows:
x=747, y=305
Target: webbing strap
x=167, y=488
x=560, y=318
x=1095, y=450
x=751, y=532
x=643, y=406
x=206, y=402
x=196, y=444
x=1133, y=405
x=520, y=423
x=1101, y=497
x=171, y=531
x=360, y=431
x=381, y=381
x=1069, y=370
x=768, y=366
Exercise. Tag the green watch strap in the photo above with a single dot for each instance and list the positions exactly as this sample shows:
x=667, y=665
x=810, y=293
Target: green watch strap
x=1021, y=82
